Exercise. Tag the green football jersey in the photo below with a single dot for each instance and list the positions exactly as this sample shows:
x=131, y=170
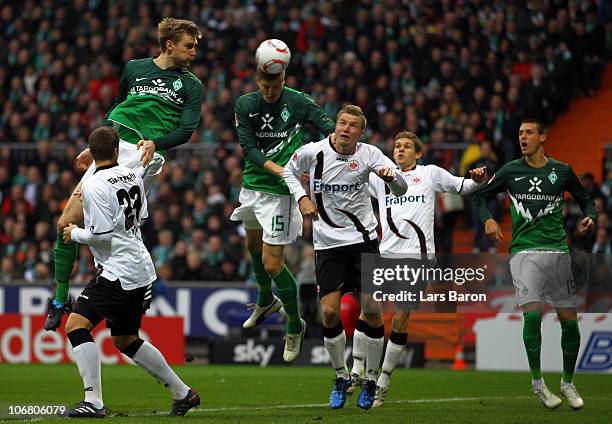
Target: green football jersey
x=536, y=206
x=274, y=131
x=162, y=105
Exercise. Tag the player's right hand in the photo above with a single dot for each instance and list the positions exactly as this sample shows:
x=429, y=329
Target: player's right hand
x=585, y=226
x=83, y=160
x=67, y=236
x=307, y=208
x=493, y=231
x=386, y=174
x=148, y=149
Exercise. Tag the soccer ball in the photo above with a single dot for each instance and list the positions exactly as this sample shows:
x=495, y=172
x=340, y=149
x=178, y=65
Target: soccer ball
x=272, y=56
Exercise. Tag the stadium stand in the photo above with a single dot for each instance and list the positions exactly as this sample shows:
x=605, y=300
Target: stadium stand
x=456, y=74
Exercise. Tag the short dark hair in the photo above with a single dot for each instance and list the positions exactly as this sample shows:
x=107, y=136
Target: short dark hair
x=102, y=143
x=174, y=29
x=539, y=126
x=418, y=146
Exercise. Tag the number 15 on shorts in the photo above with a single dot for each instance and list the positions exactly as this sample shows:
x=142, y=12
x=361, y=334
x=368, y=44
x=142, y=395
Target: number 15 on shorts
x=277, y=223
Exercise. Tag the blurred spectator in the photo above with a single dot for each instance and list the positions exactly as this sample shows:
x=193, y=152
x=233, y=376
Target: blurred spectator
x=588, y=182
x=602, y=242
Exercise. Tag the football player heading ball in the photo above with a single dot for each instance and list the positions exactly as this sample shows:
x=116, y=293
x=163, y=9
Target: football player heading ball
x=270, y=125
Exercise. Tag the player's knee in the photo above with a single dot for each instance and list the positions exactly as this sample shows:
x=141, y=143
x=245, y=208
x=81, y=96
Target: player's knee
x=374, y=320
x=76, y=322
x=273, y=265
x=331, y=317
x=399, y=322
x=70, y=327
x=122, y=342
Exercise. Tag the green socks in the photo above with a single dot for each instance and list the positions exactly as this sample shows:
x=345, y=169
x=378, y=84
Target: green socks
x=532, y=338
x=264, y=282
x=570, y=344
x=65, y=255
x=286, y=288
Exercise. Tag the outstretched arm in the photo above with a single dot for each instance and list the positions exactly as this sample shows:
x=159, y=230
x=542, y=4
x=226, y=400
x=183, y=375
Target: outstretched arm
x=495, y=185
x=394, y=180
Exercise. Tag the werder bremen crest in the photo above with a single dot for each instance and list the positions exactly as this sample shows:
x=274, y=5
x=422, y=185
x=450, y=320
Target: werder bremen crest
x=553, y=177
x=177, y=85
x=285, y=114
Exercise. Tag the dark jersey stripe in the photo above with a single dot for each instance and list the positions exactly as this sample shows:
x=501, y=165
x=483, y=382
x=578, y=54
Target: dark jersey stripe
x=420, y=235
x=358, y=224
x=417, y=229
x=392, y=225
x=319, y=196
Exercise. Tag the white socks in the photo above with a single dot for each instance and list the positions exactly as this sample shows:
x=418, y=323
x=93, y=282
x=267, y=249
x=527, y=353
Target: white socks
x=392, y=356
x=151, y=359
x=359, y=348
x=88, y=362
x=335, y=348
x=374, y=350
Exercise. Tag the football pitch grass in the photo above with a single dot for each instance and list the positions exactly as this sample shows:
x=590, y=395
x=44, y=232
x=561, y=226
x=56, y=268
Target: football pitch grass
x=250, y=394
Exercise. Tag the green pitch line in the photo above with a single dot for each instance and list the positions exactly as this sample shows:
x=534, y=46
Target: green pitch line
x=250, y=394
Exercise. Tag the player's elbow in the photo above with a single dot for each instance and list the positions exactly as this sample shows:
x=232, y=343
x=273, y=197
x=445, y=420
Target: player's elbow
x=106, y=237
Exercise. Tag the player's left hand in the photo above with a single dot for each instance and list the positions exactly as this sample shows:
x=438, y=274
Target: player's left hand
x=386, y=174
x=148, y=149
x=585, y=226
x=479, y=175
x=67, y=230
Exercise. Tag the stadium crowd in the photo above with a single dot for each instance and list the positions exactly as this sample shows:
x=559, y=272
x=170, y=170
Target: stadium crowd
x=462, y=73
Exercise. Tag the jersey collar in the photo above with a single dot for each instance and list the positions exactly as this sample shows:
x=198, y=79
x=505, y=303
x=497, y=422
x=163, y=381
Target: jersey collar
x=334, y=147
x=100, y=168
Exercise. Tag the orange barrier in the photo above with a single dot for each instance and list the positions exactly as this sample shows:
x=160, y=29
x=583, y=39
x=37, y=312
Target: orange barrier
x=440, y=332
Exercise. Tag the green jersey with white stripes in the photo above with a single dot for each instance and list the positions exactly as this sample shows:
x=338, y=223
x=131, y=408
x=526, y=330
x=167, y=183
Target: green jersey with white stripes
x=536, y=206
x=274, y=131
x=162, y=105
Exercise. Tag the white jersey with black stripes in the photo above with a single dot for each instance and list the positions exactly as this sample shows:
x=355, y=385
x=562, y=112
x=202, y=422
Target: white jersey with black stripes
x=339, y=188
x=114, y=202
x=407, y=221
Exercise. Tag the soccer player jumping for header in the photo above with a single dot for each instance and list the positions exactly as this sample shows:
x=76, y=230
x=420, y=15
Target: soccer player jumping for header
x=157, y=108
x=270, y=124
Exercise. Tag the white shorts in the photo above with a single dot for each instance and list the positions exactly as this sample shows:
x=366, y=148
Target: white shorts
x=130, y=158
x=278, y=216
x=543, y=276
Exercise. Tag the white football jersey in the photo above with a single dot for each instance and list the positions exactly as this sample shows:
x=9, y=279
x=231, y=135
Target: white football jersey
x=407, y=221
x=114, y=202
x=339, y=188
